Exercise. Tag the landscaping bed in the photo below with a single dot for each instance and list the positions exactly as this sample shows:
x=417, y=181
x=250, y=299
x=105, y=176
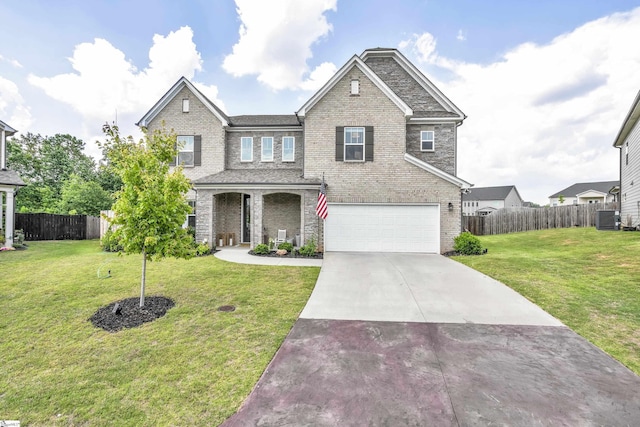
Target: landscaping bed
x=294, y=254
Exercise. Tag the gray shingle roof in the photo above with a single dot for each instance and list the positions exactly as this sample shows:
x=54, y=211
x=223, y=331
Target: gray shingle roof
x=488, y=193
x=581, y=187
x=8, y=177
x=265, y=120
x=257, y=176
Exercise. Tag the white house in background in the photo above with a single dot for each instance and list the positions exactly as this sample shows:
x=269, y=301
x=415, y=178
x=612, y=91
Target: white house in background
x=628, y=141
x=485, y=200
x=584, y=193
x=9, y=183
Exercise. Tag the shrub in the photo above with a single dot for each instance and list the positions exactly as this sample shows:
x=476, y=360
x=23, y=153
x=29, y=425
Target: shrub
x=467, y=244
x=261, y=249
x=286, y=246
x=109, y=243
x=202, y=249
x=310, y=248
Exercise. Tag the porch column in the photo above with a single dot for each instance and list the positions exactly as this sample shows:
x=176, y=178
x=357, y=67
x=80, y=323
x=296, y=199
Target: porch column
x=3, y=151
x=8, y=229
x=256, y=217
x=1, y=208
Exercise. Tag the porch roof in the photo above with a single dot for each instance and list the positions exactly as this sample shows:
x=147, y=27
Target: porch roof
x=257, y=178
x=9, y=177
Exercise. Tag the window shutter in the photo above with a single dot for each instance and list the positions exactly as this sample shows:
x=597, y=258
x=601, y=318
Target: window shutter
x=339, y=143
x=173, y=161
x=368, y=143
x=197, y=151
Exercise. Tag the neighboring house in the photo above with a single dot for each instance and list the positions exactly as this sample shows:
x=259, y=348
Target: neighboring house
x=485, y=200
x=9, y=184
x=628, y=141
x=379, y=132
x=584, y=193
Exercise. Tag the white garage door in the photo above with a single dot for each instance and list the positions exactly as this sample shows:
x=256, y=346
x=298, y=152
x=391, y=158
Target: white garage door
x=382, y=228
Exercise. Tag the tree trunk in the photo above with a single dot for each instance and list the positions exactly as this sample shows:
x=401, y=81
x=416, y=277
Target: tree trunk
x=144, y=274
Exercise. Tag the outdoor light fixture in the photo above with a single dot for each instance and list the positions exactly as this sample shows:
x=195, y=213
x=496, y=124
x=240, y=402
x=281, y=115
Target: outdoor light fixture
x=450, y=206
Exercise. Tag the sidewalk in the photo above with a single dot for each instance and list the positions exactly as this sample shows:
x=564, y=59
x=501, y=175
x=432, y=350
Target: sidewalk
x=241, y=255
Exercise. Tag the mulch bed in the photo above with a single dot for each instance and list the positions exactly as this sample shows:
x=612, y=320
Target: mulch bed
x=131, y=315
x=273, y=254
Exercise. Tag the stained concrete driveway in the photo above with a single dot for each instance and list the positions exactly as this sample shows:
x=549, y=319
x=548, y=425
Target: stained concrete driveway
x=413, y=340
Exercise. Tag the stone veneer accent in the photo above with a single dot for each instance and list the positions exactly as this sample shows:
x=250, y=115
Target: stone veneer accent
x=389, y=178
x=444, y=155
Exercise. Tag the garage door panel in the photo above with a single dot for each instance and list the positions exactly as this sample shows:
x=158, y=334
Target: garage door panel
x=382, y=228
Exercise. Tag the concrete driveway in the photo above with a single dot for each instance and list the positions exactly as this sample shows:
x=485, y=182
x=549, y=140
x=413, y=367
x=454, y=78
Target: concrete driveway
x=413, y=340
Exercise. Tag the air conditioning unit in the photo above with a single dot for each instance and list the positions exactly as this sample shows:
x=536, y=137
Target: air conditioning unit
x=607, y=220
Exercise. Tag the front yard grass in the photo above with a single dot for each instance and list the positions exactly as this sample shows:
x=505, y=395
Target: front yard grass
x=588, y=279
x=194, y=366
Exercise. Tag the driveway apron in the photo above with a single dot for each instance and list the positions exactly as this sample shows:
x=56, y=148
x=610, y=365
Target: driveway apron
x=417, y=339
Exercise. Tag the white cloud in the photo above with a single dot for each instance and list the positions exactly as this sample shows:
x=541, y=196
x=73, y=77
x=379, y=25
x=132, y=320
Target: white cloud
x=13, y=62
x=275, y=42
x=104, y=82
x=13, y=109
x=544, y=116
x=462, y=35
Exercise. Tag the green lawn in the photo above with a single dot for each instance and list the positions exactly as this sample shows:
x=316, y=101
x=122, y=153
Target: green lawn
x=194, y=366
x=588, y=279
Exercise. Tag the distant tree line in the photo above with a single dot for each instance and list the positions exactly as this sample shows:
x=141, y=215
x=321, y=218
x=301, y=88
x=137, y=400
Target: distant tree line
x=59, y=177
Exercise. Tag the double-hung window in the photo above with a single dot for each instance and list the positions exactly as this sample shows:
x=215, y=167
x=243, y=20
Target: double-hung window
x=246, y=149
x=288, y=149
x=427, y=140
x=185, y=150
x=267, y=149
x=354, y=144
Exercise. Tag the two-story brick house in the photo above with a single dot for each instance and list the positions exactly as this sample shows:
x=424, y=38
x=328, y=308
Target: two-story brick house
x=382, y=135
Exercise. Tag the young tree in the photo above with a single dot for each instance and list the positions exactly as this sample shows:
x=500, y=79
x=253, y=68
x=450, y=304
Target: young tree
x=561, y=199
x=151, y=206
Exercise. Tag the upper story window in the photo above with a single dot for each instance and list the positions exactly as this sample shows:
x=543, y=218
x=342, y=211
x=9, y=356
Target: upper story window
x=267, y=149
x=427, y=140
x=288, y=149
x=185, y=105
x=185, y=150
x=354, y=144
x=246, y=149
x=355, y=87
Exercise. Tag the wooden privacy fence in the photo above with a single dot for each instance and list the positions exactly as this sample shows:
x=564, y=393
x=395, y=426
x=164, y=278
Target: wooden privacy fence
x=513, y=220
x=43, y=226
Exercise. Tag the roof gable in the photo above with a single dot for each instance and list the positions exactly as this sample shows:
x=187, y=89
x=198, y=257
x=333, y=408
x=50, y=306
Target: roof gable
x=629, y=122
x=405, y=92
x=437, y=172
x=355, y=61
x=172, y=93
x=8, y=130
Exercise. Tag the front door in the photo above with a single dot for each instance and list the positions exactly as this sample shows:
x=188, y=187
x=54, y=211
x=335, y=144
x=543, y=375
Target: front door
x=246, y=218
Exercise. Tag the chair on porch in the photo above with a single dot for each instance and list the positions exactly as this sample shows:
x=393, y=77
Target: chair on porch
x=282, y=237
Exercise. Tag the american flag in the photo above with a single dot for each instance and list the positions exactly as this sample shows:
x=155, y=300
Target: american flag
x=321, y=207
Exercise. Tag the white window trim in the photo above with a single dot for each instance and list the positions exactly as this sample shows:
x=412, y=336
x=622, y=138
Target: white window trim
x=185, y=105
x=293, y=151
x=181, y=150
x=262, y=156
x=250, y=138
x=433, y=141
x=355, y=87
x=345, y=144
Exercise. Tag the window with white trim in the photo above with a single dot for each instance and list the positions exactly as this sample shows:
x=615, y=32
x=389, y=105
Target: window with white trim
x=354, y=144
x=185, y=105
x=355, y=87
x=267, y=149
x=191, y=218
x=427, y=140
x=246, y=149
x=185, y=150
x=288, y=148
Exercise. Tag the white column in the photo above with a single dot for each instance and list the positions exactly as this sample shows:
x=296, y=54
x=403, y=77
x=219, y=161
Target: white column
x=8, y=232
x=1, y=208
x=3, y=151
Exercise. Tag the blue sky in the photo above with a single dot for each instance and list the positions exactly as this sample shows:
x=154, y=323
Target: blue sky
x=545, y=84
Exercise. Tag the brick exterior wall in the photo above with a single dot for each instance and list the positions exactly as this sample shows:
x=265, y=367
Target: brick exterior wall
x=281, y=212
x=198, y=121
x=444, y=156
x=233, y=146
x=389, y=178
